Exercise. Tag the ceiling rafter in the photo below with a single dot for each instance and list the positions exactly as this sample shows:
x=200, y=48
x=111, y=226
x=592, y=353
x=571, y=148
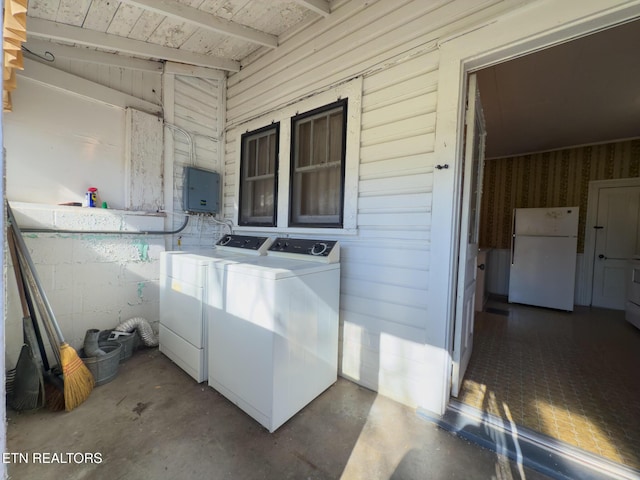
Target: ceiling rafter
x=66, y=33
x=321, y=7
x=205, y=20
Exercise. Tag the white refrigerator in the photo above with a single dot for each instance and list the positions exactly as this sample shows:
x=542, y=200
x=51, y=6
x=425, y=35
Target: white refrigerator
x=543, y=257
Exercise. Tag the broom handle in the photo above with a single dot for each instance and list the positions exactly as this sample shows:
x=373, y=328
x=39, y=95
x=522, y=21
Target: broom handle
x=25, y=254
x=18, y=274
x=29, y=286
x=51, y=334
x=27, y=306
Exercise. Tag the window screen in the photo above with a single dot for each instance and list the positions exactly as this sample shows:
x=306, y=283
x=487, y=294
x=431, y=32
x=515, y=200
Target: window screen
x=317, y=170
x=258, y=170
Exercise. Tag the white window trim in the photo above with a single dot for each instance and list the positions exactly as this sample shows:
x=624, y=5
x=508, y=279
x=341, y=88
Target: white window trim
x=351, y=90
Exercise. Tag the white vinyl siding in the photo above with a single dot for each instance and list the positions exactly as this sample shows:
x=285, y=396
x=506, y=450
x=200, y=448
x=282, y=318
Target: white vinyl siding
x=385, y=269
x=387, y=333
x=194, y=105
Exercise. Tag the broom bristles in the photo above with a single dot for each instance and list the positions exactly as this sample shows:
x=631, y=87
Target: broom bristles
x=78, y=379
x=54, y=397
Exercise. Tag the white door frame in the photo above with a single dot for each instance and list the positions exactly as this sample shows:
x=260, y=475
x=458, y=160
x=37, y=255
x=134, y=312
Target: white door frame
x=528, y=27
x=592, y=216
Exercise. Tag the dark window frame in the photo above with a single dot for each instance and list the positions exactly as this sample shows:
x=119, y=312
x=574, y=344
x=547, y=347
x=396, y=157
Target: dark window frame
x=243, y=142
x=325, y=108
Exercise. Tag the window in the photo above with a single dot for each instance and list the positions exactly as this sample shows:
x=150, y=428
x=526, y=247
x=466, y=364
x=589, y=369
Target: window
x=258, y=173
x=317, y=167
x=308, y=183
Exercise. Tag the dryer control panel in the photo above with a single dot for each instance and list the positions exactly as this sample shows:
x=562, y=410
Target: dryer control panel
x=326, y=251
x=244, y=243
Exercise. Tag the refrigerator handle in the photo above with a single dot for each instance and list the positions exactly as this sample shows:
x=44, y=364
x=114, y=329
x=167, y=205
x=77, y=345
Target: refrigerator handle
x=513, y=248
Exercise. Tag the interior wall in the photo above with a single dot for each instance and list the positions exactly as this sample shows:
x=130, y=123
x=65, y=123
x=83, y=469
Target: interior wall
x=546, y=179
x=58, y=144
x=549, y=179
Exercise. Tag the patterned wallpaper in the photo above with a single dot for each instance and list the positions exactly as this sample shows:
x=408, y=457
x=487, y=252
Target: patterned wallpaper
x=550, y=179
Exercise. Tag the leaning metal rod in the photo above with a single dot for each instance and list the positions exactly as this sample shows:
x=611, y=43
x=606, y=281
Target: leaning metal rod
x=46, y=321
x=26, y=265
x=22, y=247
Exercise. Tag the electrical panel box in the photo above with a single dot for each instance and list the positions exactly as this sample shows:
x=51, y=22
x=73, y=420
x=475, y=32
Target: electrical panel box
x=201, y=192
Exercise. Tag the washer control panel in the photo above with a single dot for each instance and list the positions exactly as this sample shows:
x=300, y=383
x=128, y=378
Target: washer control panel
x=326, y=251
x=244, y=243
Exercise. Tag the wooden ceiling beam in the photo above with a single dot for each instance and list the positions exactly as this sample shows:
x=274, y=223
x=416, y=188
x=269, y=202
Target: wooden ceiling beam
x=321, y=7
x=205, y=20
x=66, y=33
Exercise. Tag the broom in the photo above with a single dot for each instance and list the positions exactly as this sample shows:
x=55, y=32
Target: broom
x=78, y=380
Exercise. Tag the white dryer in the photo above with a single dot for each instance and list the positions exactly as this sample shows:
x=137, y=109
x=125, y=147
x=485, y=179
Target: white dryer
x=273, y=334
x=184, y=287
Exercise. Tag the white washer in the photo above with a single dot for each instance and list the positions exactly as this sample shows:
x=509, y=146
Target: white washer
x=273, y=333
x=184, y=286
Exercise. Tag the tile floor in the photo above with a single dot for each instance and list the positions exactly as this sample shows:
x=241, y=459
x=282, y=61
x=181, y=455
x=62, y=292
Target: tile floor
x=572, y=376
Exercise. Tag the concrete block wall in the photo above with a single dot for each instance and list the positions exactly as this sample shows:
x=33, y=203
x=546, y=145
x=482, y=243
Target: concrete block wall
x=91, y=280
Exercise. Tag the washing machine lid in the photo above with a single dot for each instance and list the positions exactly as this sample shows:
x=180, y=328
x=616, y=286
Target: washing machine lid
x=276, y=268
x=205, y=256
x=199, y=256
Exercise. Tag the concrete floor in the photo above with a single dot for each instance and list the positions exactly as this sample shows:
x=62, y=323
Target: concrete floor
x=154, y=422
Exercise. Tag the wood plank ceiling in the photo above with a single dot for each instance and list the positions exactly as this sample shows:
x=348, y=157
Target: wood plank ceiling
x=582, y=92
x=209, y=33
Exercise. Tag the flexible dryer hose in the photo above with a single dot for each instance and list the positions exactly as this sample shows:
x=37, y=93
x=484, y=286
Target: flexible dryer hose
x=145, y=331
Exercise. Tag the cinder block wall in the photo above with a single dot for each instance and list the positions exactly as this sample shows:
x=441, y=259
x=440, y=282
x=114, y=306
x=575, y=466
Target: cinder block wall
x=91, y=280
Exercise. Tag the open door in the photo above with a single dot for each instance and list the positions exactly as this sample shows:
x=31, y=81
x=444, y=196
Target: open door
x=473, y=166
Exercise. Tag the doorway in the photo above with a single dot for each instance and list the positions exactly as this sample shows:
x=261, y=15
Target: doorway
x=521, y=32
x=613, y=239
x=536, y=366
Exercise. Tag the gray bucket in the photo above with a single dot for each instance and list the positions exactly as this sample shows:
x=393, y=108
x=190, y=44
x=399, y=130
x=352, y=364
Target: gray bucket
x=129, y=342
x=105, y=367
